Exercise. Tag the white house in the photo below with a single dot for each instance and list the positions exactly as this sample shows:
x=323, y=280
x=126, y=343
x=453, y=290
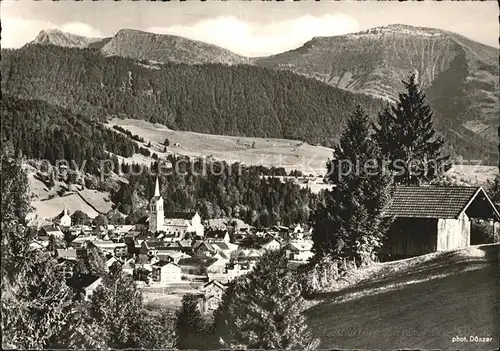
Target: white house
x=271, y=245
x=166, y=272
x=299, y=250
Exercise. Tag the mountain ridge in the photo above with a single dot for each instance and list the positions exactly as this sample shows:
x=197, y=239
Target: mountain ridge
x=459, y=75
x=66, y=39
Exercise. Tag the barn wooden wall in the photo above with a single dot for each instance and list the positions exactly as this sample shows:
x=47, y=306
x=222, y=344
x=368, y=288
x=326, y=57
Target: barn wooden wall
x=453, y=233
x=411, y=237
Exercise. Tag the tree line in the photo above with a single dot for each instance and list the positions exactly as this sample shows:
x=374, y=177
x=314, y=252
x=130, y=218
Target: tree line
x=43, y=131
x=222, y=190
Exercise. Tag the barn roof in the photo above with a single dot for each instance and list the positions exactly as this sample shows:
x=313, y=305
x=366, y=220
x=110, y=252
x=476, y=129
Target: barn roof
x=438, y=202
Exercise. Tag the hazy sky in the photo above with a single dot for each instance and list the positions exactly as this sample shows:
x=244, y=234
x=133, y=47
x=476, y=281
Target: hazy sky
x=247, y=28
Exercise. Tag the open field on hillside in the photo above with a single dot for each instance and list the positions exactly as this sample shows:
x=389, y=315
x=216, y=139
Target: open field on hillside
x=72, y=202
x=472, y=174
x=97, y=199
x=290, y=154
x=418, y=303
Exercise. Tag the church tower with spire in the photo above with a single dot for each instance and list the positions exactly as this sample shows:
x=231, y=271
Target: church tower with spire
x=156, y=215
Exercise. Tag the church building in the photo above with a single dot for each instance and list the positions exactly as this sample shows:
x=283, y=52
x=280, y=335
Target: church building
x=178, y=223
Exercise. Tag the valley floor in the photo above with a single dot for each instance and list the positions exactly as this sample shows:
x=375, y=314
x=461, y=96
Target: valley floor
x=419, y=303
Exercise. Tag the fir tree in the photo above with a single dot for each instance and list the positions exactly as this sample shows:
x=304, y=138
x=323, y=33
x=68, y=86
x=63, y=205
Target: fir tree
x=36, y=303
x=349, y=223
x=189, y=325
x=408, y=140
x=263, y=309
x=116, y=309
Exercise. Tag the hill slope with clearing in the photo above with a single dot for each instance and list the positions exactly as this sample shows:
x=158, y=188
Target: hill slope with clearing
x=290, y=154
x=418, y=303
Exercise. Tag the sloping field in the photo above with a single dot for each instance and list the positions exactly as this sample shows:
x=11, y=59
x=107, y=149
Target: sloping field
x=290, y=154
x=472, y=174
x=51, y=208
x=420, y=303
x=99, y=200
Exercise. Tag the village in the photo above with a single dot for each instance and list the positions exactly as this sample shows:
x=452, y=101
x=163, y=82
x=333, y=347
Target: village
x=171, y=253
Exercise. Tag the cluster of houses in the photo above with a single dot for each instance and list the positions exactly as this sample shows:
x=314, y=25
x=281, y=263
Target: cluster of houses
x=168, y=248
x=165, y=249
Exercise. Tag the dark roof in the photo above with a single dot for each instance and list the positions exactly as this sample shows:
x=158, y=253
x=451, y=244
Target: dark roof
x=199, y=244
x=50, y=228
x=221, y=244
x=143, y=220
x=216, y=283
x=216, y=234
x=162, y=264
x=81, y=281
x=181, y=215
x=431, y=201
x=154, y=243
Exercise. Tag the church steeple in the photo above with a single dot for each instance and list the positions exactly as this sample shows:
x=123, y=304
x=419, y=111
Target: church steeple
x=157, y=188
x=156, y=217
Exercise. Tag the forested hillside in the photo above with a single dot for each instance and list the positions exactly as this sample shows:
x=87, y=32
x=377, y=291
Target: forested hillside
x=52, y=133
x=211, y=98
x=223, y=189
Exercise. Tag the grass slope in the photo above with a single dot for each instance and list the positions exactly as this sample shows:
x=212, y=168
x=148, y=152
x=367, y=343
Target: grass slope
x=418, y=303
x=290, y=154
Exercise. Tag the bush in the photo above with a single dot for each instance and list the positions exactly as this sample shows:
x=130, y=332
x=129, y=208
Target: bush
x=314, y=277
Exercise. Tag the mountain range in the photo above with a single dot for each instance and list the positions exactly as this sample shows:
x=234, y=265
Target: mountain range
x=460, y=76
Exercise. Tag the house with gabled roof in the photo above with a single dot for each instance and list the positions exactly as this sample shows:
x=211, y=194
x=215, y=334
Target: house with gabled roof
x=271, y=244
x=299, y=250
x=166, y=272
x=218, y=265
x=222, y=247
x=434, y=218
x=217, y=235
x=212, y=295
x=203, y=249
x=51, y=230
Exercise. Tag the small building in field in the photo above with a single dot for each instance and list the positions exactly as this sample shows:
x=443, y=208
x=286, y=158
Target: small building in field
x=434, y=218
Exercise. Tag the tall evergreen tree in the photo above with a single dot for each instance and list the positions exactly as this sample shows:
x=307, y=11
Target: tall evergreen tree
x=263, y=309
x=35, y=302
x=408, y=140
x=349, y=223
x=116, y=309
x=190, y=327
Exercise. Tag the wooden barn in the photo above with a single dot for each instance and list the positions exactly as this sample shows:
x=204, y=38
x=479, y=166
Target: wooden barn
x=435, y=218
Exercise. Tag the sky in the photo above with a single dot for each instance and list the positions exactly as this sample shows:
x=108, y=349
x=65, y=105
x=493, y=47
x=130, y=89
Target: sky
x=247, y=28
